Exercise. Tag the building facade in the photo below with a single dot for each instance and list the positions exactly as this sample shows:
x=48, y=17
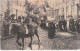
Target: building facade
x=68, y=9
x=18, y=8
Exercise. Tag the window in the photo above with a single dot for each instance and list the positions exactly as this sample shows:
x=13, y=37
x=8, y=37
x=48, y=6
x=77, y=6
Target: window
x=63, y=11
x=17, y=2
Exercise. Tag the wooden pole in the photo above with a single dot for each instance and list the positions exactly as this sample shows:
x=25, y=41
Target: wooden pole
x=8, y=4
x=16, y=13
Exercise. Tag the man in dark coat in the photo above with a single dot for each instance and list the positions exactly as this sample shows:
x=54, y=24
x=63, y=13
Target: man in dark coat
x=72, y=25
x=65, y=25
x=19, y=19
x=60, y=25
x=5, y=29
x=77, y=24
x=51, y=30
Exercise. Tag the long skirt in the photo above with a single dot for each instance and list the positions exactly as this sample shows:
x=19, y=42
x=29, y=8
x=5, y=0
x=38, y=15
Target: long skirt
x=51, y=33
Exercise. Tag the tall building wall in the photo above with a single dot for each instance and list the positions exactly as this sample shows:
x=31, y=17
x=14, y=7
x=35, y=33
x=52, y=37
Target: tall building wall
x=3, y=7
x=70, y=8
x=18, y=8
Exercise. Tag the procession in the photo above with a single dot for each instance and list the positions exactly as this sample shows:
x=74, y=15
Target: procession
x=38, y=26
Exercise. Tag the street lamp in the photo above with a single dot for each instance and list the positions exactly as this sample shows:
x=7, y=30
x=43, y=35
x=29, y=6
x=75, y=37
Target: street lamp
x=8, y=4
x=16, y=13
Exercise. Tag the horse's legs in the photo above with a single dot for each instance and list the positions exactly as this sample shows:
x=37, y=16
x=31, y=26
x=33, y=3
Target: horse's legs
x=30, y=44
x=22, y=42
x=18, y=40
x=38, y=40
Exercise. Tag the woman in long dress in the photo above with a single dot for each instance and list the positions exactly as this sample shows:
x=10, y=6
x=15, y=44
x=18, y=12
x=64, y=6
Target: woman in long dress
x=51, y=30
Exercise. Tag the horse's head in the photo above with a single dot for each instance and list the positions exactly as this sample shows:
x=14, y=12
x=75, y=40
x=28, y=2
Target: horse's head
x=14, y=29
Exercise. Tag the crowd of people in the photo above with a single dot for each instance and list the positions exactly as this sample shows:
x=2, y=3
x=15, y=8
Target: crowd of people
x=62, y=24
x=74, y=25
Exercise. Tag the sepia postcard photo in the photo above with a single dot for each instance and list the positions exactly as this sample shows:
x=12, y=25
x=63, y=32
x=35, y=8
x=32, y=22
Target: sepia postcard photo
x=39, y=24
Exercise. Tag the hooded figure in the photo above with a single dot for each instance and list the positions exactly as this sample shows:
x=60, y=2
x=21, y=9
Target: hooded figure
x=51, y=30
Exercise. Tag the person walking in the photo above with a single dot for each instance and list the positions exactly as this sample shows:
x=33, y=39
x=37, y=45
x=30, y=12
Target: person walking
x=51, y=30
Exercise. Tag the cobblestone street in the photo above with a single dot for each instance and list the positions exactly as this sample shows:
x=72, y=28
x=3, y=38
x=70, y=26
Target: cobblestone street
x=62, y=40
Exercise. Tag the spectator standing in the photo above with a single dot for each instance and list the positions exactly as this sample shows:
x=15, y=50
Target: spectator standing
x=51, y=30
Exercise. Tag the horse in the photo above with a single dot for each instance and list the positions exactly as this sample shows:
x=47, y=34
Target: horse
x=21, y=34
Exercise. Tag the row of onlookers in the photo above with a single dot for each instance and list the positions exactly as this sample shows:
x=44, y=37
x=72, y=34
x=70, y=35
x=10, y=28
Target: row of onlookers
x=74, y=25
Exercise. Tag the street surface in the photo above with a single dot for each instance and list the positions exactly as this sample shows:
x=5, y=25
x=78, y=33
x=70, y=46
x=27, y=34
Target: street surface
x=62, y=40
